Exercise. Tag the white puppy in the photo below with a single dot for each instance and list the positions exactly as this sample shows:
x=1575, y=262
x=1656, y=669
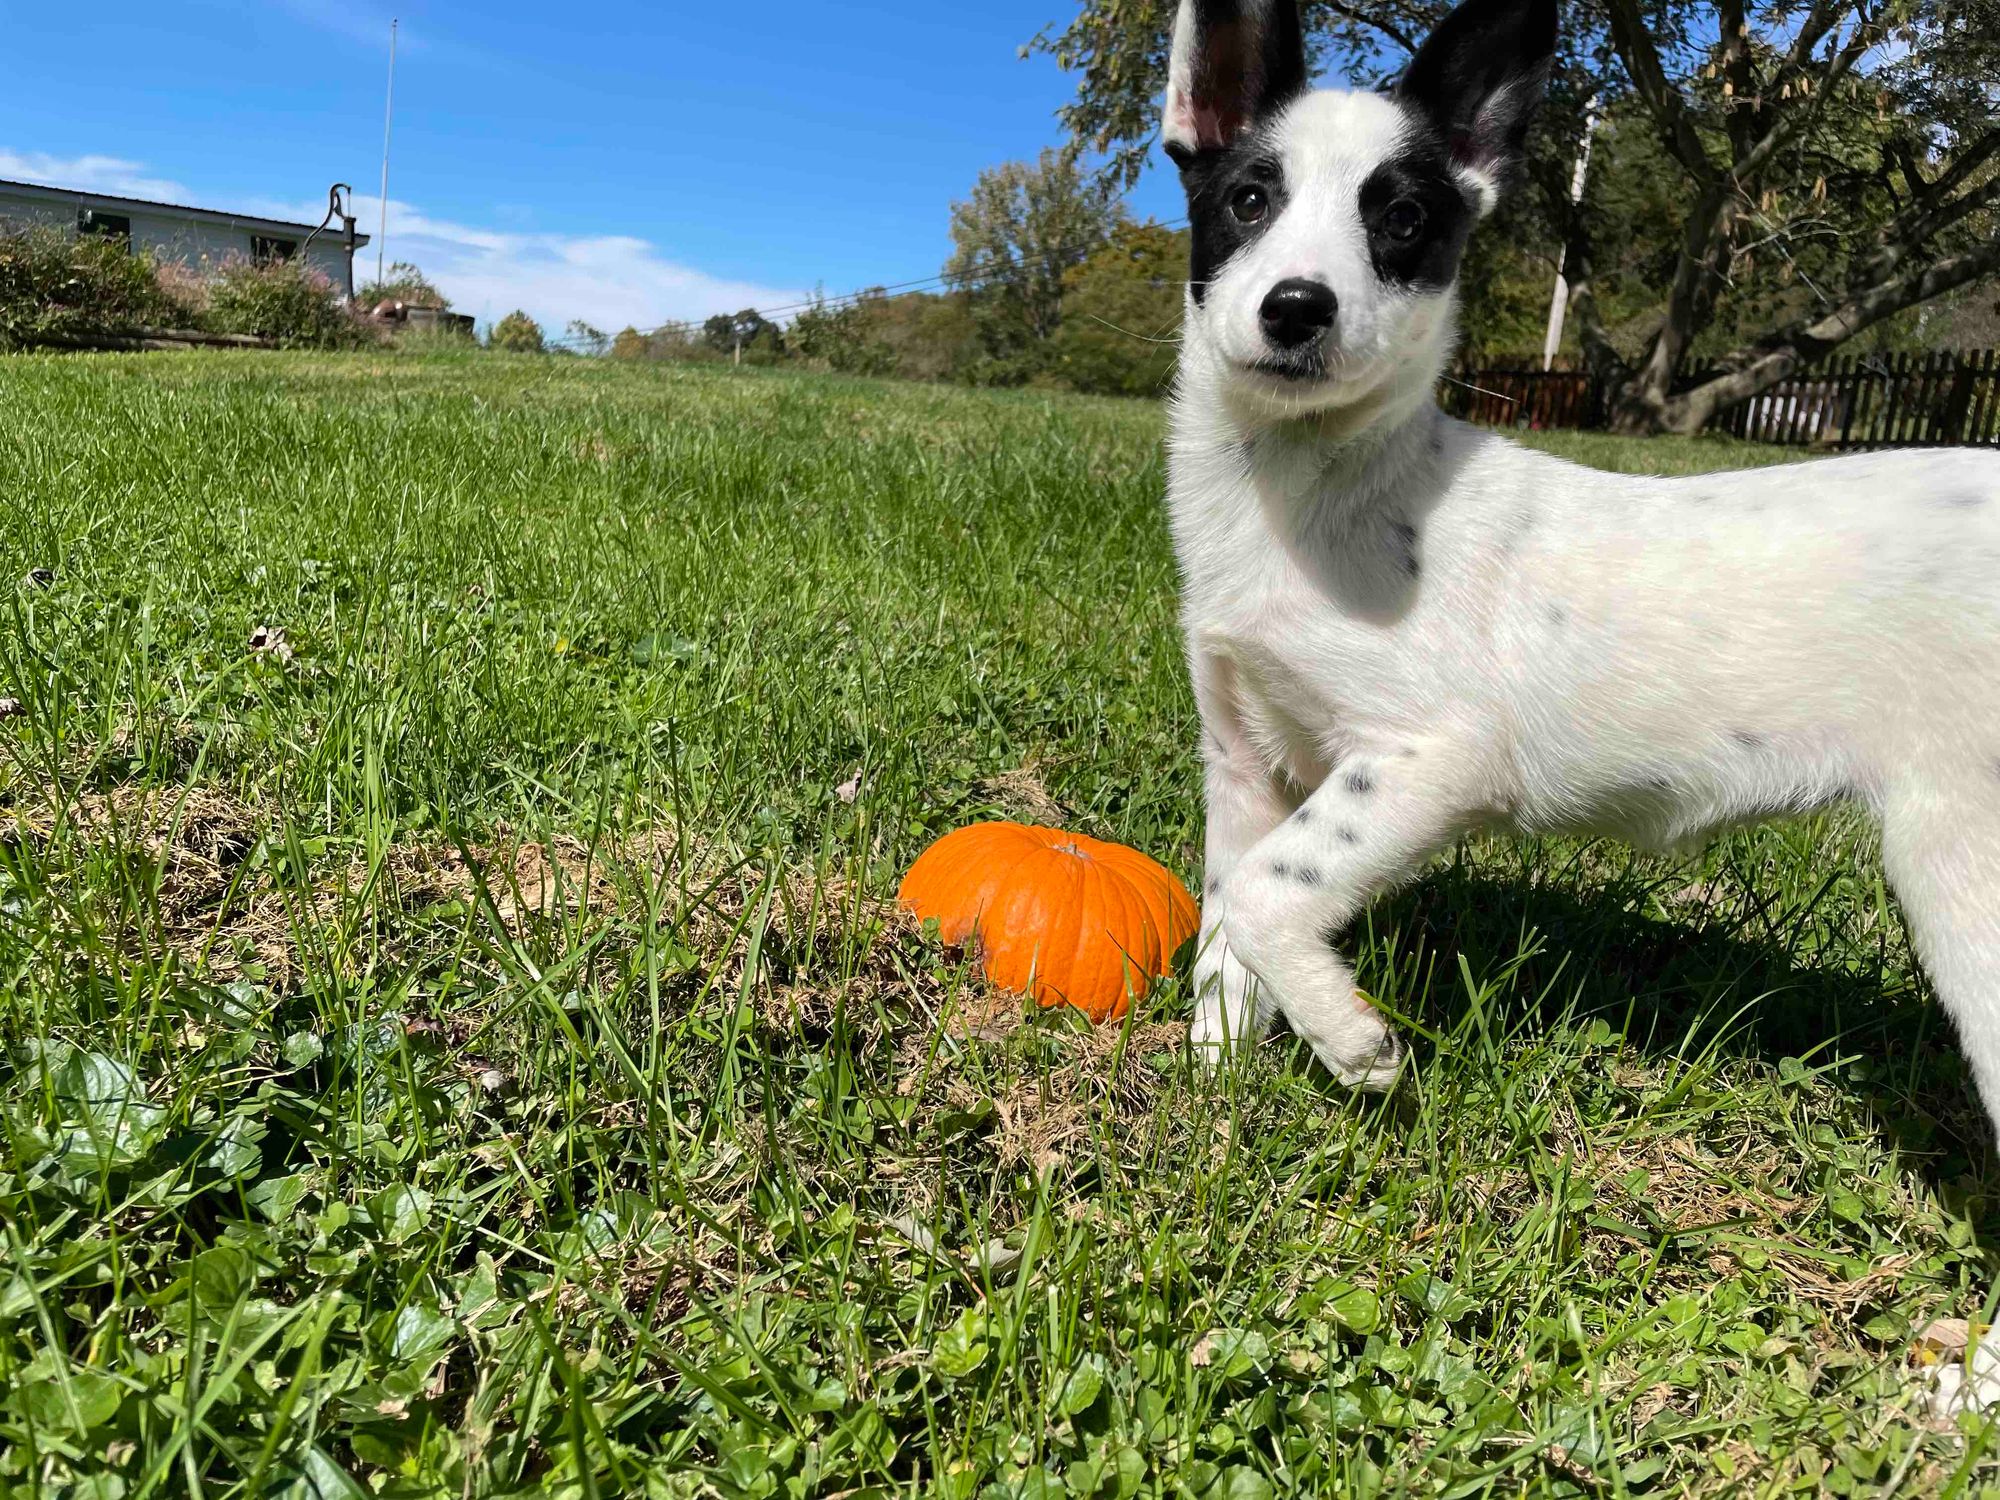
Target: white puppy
x=1401, y=628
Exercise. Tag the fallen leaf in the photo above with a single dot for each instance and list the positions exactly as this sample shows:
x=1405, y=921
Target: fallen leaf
x=10, y=708
x=1945, y=1335
x=1203, y=1352
x=849, y=789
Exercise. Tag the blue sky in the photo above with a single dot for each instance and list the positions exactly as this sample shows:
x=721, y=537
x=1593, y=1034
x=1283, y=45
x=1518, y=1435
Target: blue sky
x=619, y=161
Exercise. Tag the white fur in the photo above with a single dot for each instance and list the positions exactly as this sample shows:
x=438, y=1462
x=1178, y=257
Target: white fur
x=1574, y=651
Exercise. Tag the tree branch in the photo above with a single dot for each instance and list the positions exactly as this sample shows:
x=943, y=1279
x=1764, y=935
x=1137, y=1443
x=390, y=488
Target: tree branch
x=1760, y=365
x=1662, y=100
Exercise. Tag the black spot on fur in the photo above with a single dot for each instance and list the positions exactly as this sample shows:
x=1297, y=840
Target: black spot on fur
x=1518, y=526
x=1746, y=739
x=1408, y=752
x=1303, y=816
x=1216, y=747
x=1346, y=835
x=1214, y=884
x=1558, y=615
x=1310, y=875
x=1280, y=869
x=1360, y=783
x=1962, y=499
x=1405, y=538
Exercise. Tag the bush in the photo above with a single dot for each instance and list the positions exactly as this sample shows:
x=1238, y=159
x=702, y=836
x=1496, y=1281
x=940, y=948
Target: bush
x=55, y=286
x=403, y=283
x=285, y=300
x=517, y=333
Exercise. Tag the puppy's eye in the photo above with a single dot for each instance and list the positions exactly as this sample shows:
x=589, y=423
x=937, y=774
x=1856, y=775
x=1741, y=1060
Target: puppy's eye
x=1249, y=204
x=1403, y=220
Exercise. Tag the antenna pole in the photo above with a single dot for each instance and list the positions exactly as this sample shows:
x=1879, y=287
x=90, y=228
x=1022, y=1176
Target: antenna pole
x=388, y=114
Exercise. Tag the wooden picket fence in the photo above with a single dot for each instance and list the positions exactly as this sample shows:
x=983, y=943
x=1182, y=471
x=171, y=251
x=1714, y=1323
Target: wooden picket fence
x=1943, y=398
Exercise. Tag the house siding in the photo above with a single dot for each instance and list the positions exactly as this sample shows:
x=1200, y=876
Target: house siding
x=199, y=241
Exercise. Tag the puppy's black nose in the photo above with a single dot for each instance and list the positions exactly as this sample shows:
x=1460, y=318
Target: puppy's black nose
x=1296, y=312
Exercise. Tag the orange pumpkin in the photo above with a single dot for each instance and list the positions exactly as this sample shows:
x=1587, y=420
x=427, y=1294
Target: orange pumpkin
x=1066, y=918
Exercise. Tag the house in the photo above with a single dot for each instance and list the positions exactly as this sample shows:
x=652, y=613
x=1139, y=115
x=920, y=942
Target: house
x=200, y=238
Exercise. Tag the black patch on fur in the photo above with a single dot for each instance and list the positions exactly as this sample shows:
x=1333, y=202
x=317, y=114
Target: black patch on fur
x=1962, y=500
x=1428, y=260
x=1346, y=835
x=1303, y=816
x=1405, y=537
x=1280, y=869
x=1310, y=875
x=1408, y=752
x=1214, y=884
x=1558, y=615
x=1212, y=179
x=1746, y=739
x=1359, y=783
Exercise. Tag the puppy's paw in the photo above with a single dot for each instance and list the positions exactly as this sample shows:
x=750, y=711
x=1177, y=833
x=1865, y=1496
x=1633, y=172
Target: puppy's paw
x=1353, y=1041
x=1225, y=1016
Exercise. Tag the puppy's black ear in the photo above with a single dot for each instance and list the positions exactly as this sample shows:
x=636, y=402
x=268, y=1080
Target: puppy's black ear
x=1234, y=62
x=1479, y=78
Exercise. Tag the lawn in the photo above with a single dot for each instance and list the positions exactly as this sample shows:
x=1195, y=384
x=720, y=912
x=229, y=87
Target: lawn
x=459, y=1041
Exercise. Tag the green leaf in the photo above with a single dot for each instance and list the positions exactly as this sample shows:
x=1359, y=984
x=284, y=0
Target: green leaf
x=303, y=1048
x=320, y=1478
x=278, y=1198
x=400, y=1212
x=1353, y=1308
x=236, y=1153
x=60, y=1397
x=1085, y=1380
x=1240, y=1482
x=961, y=1348
x=417, y=1331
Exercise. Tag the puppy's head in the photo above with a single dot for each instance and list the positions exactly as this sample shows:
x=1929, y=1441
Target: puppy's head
x=1328, y=226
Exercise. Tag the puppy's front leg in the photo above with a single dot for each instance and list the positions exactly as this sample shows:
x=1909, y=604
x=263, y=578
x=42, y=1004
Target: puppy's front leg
x=1244, y=803
x=1371, y=823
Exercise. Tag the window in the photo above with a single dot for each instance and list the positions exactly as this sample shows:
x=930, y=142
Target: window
x=107, y=226
x=265, y=248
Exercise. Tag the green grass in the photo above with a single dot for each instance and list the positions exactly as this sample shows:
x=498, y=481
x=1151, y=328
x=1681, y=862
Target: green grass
x=462, y=1045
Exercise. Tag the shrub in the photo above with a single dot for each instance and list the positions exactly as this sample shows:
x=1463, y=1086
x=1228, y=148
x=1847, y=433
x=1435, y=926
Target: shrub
x=55, y=286
x=402, y=283
x=285, y=300
x=517, y=333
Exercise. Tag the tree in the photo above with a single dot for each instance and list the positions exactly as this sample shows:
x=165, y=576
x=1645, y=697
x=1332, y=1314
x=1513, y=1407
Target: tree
x=748, y=332
x=403, y=283
x=1023, y=226
x=628, y=344
x=1121, y=313
x=517, y=333
x=1791, y=173
x=842, y=336
x=586, y=339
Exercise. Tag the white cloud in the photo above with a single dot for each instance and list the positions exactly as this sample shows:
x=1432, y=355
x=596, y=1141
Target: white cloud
x=607, y=280
x=93, y=174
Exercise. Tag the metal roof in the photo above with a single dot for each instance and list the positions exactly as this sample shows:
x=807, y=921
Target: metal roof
x=210, y=215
